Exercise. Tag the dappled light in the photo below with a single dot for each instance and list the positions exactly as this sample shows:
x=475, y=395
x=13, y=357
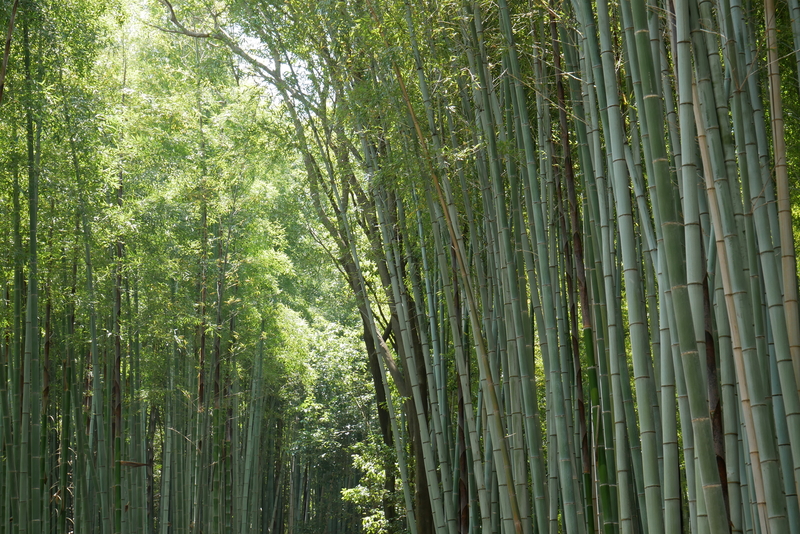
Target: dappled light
x=372, y=267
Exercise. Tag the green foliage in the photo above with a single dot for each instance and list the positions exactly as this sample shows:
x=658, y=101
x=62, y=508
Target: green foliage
x=228, y=200
x=195, y=221
x=370, y=495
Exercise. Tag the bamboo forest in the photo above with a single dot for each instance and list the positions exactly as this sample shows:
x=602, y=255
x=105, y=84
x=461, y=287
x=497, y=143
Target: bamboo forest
x=399, y=266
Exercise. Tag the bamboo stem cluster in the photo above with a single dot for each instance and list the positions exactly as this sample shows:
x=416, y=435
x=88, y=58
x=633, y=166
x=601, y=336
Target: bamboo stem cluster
x=609, y=166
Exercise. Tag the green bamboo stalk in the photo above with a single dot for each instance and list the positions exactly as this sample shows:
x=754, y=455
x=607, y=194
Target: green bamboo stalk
x=743, y=300
x=593, y=171
x=435, y=393
x=14, y=369
x=401, y=306
x=379, y=343
x=571, y=514
x=165, y=505
x=730, y=410
x=256, y=417
x=742, y=378
x=788, y=260
x=445, y=199
x=751, y=176
x=771, y=281
x=28, y=502
x=672, y=483
x=473, y=425
x=67, y=380
x=97, y=439
x=794, y=9
x=437, y=147
x=7, y=443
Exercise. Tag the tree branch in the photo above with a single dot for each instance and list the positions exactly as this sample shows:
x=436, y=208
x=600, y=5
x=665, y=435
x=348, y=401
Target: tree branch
x=183, y=29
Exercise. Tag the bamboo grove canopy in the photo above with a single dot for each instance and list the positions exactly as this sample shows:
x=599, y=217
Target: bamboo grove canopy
x=569, y=231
